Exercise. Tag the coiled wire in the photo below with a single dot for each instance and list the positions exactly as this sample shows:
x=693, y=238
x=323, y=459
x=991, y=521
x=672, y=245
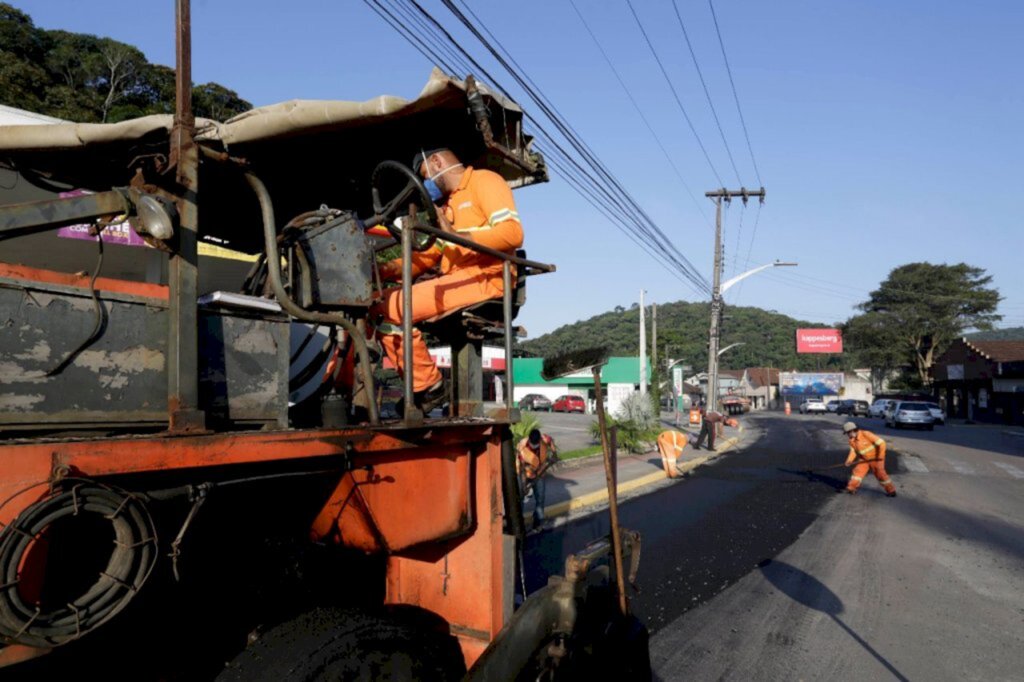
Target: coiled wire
x=129, y=566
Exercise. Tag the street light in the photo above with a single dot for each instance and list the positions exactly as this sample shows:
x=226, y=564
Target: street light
x=716, y=312
x=731, y=346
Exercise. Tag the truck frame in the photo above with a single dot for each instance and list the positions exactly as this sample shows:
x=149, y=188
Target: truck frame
x=154, y=477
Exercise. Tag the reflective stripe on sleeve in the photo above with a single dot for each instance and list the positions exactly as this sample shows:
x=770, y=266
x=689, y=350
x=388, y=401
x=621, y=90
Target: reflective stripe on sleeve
x=388, y=328
x=503, y=214
x=856, y=478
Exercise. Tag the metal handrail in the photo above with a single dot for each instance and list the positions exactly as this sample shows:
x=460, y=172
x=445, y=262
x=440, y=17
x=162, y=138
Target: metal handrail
x=412, y=226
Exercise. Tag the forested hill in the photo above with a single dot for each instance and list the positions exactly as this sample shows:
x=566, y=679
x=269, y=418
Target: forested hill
x=769, y=338
x=89, y=79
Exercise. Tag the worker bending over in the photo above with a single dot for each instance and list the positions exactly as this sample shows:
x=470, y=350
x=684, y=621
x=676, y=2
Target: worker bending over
x=867, y=453
x=711, y=425
x=670, y=445
x=477, y=205
x=535, y=454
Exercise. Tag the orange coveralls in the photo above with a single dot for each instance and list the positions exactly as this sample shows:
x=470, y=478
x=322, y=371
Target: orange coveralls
x=482, y=209
x=868, y=450
x=670, y=445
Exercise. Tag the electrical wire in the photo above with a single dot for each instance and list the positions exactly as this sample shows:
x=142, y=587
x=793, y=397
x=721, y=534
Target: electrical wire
x=675, y=94
x=640, y=112
x=707, y=93
x=735, y=95
x=508, y=62
x=602, y=182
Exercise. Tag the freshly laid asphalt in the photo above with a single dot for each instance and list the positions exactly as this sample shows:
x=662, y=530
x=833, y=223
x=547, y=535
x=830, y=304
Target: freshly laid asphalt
x=752, y=567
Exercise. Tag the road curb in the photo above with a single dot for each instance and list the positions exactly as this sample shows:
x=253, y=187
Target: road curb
x=600, y=496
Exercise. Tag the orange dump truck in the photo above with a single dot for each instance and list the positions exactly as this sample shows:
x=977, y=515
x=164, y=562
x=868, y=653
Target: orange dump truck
x=185, y=492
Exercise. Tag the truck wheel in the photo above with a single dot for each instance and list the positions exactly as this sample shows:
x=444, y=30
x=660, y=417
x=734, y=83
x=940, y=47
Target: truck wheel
x=398, y=644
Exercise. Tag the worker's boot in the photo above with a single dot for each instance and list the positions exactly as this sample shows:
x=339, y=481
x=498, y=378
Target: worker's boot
x=891, y=493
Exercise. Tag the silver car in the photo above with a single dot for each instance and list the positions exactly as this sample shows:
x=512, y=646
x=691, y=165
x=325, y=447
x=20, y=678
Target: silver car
x=912, y=414
x=940, y=416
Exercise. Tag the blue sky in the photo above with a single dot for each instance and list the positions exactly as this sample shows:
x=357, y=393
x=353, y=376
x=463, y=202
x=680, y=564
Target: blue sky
x=884, y=132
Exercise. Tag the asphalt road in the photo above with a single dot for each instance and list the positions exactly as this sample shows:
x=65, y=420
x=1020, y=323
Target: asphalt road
x=753, y=569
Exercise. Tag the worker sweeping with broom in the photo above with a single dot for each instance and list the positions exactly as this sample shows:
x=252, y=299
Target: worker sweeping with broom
x=867, y=453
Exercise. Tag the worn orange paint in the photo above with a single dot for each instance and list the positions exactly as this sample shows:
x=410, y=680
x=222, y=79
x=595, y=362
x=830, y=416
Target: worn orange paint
x=120, y=286
x=462, y=579
x=432, y=495
x=370, y=510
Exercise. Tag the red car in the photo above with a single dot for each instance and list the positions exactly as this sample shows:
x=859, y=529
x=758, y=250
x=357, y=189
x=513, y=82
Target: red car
x=569, y=403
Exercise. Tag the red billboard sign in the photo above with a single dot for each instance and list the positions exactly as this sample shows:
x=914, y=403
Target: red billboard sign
x=819, y=341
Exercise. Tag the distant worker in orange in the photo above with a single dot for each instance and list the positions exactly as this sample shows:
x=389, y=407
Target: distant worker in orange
x=535, y=454
x=478, y=205
x=670, y=445
x=867, y=453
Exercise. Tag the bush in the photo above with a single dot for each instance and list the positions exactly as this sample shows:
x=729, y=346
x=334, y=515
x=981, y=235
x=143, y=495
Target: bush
x=637, y=410
x=636, y=423
x=527, y=422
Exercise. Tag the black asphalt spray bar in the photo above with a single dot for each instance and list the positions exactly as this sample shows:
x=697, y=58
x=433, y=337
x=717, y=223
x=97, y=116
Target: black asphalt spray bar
x=576, y=362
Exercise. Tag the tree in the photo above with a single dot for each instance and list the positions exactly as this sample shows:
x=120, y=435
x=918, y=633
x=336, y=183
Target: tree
x=211, y=100
x=871, y=342
x=922, y=307
x=86, y=78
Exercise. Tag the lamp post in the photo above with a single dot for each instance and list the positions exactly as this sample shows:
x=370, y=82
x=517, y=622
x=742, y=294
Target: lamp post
x=716, y=312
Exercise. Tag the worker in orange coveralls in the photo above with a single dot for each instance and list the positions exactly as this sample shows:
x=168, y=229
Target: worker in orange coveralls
x=867, y=453
x=536, y=453
x=670, y=445
x=479, y=206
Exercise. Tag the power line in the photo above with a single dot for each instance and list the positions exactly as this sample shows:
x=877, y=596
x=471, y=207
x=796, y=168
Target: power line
x=707, y=93
x=734, y=94
x=640, y=112
x=590, y=187
x=504, y=58
x=675, y=94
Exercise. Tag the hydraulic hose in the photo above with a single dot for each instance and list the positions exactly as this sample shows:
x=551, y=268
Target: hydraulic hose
x=273, y=263
x=127, y=569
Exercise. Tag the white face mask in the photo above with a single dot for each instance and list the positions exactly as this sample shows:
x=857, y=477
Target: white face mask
x=441, y=172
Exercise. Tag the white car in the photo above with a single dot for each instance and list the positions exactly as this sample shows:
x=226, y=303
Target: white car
x=813, y=405
x=879, y=407
x=937, y=413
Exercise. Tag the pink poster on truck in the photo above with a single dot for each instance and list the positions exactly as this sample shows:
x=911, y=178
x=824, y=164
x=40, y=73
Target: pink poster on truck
x=121, y=233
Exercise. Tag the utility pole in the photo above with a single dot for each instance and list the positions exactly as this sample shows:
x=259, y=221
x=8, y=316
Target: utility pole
x=643, y=347
x=654, y=335
x=718, y=196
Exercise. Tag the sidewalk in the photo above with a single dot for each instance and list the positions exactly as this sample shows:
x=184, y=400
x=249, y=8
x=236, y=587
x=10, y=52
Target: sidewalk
x=571, y=489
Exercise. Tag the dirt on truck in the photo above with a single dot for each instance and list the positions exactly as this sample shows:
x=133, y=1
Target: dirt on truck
x=186, y=490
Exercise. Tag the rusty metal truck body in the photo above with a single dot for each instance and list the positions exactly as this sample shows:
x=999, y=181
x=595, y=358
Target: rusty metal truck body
x=172, y=448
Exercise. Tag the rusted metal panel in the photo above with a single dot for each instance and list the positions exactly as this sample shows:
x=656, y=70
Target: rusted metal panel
x=243, y=368
x=340, y=258
x=120, y=378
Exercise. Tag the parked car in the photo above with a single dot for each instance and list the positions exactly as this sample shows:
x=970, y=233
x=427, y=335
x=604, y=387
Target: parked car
x=937, y=413
x=912, y=414
x=569, y=403
x=832, y=405
x=535, y=402
x=812, y=405
x=878, y=407
x=855, y=408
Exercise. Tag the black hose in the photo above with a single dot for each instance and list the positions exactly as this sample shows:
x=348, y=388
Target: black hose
x=510, y=490
x=129, y=565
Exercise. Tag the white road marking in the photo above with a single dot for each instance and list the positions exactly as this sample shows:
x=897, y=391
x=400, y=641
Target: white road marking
x=1010, y=469
x=962, y=468
x=914, y=464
